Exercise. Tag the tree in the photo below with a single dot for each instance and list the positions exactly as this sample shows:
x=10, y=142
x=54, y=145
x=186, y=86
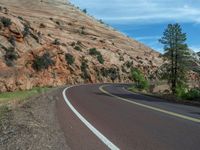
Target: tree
x=85, y=11
x=177, y=52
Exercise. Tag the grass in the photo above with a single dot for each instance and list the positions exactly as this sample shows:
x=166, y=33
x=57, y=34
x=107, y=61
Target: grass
x=21, y=95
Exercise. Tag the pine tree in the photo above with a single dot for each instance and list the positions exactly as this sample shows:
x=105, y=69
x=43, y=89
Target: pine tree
x=176, y=52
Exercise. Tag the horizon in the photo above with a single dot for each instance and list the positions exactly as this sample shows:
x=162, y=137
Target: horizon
x=147, y=26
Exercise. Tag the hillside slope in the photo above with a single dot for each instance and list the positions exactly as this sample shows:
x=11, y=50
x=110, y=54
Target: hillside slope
x=52, y=29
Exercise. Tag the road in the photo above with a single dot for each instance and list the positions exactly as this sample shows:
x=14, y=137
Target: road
x=119, y=119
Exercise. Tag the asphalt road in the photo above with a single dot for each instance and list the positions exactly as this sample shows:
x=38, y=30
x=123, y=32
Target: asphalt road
x=129, y=121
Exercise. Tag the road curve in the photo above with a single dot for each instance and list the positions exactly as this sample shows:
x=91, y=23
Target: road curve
x=114, y=112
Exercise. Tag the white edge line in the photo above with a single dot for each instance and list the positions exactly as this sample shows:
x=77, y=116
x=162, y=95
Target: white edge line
x=105, y=140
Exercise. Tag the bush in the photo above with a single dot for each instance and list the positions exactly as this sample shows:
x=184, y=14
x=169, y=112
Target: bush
x=6, y=22
x=138, y=77
x=85, y=11
x=69, y=58
x=10, y=56
x=94, y=52
x=42, y=62
x=77, y=48
x=181, y=90
x=12, y=39
x=56, y=42
x=26, y=31
x=84, y=67
x=113, y=73
x=192, y=94
x=100, y=59
x=104, y=72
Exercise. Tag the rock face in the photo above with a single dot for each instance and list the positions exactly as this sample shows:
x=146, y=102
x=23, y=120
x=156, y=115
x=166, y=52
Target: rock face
x=58, y=28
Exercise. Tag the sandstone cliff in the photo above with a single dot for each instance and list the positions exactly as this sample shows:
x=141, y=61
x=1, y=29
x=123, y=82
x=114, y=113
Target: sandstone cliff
x=55, y=28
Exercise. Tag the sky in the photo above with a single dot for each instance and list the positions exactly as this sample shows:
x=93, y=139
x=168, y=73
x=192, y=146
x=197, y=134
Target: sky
x=145, y=20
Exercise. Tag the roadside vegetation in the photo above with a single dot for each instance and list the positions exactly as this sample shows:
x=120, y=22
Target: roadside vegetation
x=175, y=70
x=8, y=98
x=141, y=83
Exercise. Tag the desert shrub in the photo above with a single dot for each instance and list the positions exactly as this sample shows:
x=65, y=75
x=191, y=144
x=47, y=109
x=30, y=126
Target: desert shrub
x=84, y=67
x=69, y=58
x=58, y=23
x=12, y=40
x=6, y=22
x=104, y=72
x=121, y=58
x=85, y=11
x=82, y=30
x=73, y=44
x=129, y=64
x=101, y=21
x=56, y=42
x=42, y=62
x=138, y=77
x=94, y=52
x=21, y=18
x=10, y=56
x=113, y=73
x=26, y=31
x=77, y=48
x=42, y=25
x=100, y=59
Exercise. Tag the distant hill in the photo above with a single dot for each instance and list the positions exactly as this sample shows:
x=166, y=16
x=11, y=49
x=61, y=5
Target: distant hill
x=52, y=43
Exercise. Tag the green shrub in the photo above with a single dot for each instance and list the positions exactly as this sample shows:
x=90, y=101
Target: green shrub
x=129, y=64
x=85, y=11
x=84, y=67
x=100, y=59
x=6, y=22
x=94, y=52
x=77, y=48
x=12, y=40
x=181, y=90
x=138, y=77
x=104, y=72
x=42, y=62
x=192, y=94
x=26, y=31
x=69, y=58
x=56, y=42
x=113, y=73
x=10, y=56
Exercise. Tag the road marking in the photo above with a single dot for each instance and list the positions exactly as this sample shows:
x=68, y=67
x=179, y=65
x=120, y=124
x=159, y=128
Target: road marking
x=150, y=107
x=105, y=140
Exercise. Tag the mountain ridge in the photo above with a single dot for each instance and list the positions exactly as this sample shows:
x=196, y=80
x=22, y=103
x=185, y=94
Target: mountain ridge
x=58, y=28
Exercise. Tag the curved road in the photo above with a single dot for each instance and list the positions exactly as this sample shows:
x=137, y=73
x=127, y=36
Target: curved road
x=129, y=121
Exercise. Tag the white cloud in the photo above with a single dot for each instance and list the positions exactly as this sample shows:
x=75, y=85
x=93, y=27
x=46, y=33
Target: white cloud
x=147, y=38
x=143, y=10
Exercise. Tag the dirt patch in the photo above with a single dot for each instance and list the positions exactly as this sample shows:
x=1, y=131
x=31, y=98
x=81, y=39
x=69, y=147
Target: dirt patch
x=33, y=125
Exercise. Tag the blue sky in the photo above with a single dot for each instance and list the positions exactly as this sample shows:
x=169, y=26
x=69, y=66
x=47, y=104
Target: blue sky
x=145, y=20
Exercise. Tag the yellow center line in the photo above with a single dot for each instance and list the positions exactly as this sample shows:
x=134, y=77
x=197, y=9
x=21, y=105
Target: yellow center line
x=150, y=107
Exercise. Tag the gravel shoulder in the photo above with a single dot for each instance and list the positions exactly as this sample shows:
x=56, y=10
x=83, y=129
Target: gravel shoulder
x=33, y=125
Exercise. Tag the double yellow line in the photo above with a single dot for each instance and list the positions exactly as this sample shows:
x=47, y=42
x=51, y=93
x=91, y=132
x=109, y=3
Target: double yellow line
x=101, y=88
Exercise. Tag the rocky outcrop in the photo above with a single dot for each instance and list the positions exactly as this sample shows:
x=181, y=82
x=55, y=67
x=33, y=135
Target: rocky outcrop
x=58, y=28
